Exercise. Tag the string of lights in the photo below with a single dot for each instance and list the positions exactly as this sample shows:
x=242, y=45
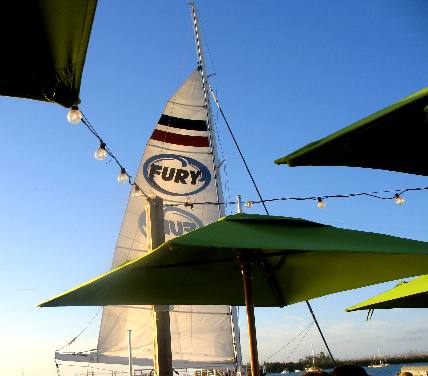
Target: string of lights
x=321, y=201
x=75, y=116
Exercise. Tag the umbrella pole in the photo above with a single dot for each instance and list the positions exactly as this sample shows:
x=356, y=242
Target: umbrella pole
x=162, y=355
x=249, y=303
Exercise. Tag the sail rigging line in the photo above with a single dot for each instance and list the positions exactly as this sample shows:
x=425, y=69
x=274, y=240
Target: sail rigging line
x=307, y=328
x=264, y=205
x=81, y=332
x=298, y=344
x=222, y=162
x=238, y=148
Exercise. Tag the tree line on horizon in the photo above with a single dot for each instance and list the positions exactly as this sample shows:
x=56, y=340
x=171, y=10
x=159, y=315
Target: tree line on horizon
x=323, y=361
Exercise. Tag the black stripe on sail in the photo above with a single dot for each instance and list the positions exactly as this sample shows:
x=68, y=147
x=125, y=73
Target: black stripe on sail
x=191, y=125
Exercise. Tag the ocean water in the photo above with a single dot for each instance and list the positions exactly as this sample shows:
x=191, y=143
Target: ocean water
x=391, y=370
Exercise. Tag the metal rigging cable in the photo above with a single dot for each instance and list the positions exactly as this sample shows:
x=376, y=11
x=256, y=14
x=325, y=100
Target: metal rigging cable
x=306, y=329
x=264, y=205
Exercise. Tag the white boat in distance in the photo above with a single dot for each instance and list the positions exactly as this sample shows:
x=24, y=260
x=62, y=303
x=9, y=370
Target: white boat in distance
x=313, y=367
x=379, y=363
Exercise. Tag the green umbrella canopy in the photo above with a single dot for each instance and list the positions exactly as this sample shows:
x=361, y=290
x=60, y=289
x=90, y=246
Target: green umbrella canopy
x=292, y=260
x=44, y=44
x=413, y=294
x=391, y=139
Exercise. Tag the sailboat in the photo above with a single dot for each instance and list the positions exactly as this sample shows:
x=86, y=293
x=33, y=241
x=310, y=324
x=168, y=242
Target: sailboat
x=179, y=164
x=313, y=367
x=379, y=363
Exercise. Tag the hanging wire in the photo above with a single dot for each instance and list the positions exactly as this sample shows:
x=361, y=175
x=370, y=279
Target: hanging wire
x=88, y=125
x=307, y=328
x=123, y=170
x=298, y=344
x=81, y=332
x=392, y=195
x=222, y=163
x=238, y=148
x=263, y=202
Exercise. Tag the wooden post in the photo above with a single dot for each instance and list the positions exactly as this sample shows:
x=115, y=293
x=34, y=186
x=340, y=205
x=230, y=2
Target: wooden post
x=247, y=280
x=162, y=356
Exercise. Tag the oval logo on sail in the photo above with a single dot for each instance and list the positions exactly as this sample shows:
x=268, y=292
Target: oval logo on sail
x=177, y=222
x=176, y=175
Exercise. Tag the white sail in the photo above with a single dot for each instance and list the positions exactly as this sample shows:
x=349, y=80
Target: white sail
x=179, y=165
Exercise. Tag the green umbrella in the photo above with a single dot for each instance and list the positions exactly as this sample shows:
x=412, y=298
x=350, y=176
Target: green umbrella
x=44, y=45
x=391, y=139
x=413, y=294
x=278, y=261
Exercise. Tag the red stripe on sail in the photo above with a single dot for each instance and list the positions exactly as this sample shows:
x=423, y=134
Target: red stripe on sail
x=180, y=139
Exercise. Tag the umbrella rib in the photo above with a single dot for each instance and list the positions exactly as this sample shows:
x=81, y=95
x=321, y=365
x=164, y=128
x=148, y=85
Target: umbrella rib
x=258, y=258
x=188, y=263
x=225, y=260
x=262, y=262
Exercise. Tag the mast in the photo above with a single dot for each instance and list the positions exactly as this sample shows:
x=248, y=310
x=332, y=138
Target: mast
x=210, y=123
x=219, y=191
x=130, y=351
x=313, y=355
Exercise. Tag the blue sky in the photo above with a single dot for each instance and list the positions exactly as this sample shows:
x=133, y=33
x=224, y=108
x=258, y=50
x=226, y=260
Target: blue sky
x=287, y=73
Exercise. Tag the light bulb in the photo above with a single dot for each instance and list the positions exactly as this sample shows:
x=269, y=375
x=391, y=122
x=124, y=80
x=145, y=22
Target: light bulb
x=122, y=177
x=188, y=203
x=152, y=195
x=321, y=203
x=101, y=152
x=399, y=200
x=74, y=116
x=249, y=204
x=136, y=191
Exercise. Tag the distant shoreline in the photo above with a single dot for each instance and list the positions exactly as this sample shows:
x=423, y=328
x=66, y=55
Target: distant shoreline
x=323, y=361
